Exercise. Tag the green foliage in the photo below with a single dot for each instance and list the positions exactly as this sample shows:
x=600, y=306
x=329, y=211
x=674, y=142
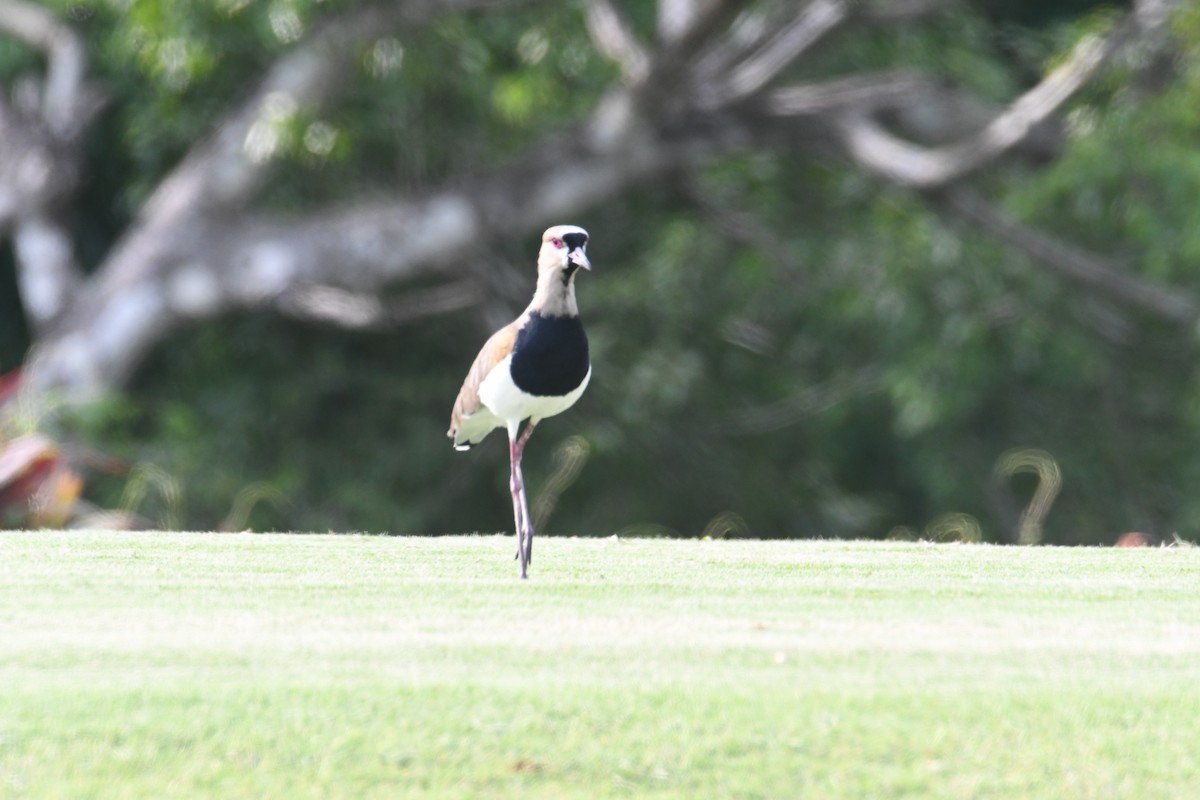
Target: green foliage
x=857, y=366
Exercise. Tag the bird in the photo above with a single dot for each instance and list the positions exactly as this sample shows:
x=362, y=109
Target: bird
x=535, y=367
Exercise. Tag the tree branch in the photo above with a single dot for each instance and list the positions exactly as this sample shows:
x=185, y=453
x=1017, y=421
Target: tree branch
x=231, y=165
x=227, y=169
x=39, y=160
x=64, y=95
x=809, y=25
x=213, y=265
x=37, y=171
x=676, y=16
x=188, y=256
x=925, y=108
x=615, y=40
x=873, y=147
x=1075, y=264
x=702, y=22
x=358, y=311
x=758, y=49
x=47, y=275
x=168, y=269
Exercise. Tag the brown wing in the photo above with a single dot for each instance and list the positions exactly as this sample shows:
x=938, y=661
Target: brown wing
x=494, y=350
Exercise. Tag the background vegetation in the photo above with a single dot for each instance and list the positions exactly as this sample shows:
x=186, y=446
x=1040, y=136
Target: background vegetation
x=784, y=345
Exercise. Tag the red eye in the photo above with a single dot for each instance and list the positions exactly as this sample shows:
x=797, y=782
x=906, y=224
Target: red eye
x=556, y=242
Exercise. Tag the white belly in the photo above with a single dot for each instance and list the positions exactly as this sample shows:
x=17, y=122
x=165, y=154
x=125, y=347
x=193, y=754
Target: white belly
x=506, y=401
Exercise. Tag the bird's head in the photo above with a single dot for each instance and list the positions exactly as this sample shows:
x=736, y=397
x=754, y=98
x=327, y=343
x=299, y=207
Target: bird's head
x=564, y=250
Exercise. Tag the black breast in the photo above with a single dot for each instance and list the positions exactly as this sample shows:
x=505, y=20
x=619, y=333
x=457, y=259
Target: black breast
x=550, y=356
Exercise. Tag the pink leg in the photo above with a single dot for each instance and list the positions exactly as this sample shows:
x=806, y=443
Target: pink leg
x=517, y=487
x=520, y=502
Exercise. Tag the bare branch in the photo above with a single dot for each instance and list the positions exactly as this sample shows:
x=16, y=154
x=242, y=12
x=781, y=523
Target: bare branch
x=616, y=41
x=924, y=108
x=228, y=168
x=189, y=257
x=872, y=146
x=63, y=96
x=214, y=265
x=707, y=19
x=1071, y=262
x=1154, y=13
x=39, y=159
x=231, y=165
x=758, y=48
x=675, y=17
x=36, y=170
x=221, y=172
x=172, y=265
x=47, y=274
x=862, y=94
x=811, y=24
x=357, y=311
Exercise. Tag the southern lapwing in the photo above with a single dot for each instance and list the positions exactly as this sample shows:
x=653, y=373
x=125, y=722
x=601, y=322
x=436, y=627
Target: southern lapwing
x=533, y=368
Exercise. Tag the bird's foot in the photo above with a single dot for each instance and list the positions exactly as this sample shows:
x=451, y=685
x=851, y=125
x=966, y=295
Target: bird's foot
x=525, y=552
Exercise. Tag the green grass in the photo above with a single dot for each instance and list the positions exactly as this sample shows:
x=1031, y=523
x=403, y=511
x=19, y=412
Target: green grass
x=194, y=665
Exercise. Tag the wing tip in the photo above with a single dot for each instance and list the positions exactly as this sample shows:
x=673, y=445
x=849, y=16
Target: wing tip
x=454, y=440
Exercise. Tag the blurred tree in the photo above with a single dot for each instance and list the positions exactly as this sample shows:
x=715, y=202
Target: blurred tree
x=802, y=315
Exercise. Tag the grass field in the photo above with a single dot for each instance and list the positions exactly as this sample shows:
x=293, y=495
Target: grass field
x=225, y=666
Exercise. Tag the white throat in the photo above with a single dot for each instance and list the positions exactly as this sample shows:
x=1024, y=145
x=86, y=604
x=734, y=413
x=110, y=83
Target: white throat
x=553, y=297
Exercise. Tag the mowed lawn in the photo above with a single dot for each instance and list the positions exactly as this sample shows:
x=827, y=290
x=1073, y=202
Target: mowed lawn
x=230, y=665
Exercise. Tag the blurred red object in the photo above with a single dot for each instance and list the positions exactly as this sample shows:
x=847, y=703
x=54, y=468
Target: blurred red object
x=9, y=382
x=38, y=488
